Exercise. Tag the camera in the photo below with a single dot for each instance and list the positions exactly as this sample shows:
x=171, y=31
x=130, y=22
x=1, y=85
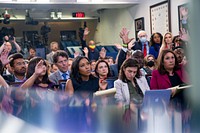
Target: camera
x=9, y=38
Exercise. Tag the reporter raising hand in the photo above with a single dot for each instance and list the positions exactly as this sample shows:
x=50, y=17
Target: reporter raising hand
x=37, y=74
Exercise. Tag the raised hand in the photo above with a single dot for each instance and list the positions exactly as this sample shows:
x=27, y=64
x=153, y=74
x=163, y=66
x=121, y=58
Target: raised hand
x=102, y=53
x=39, y=68
x=86, y=31
x=131, y=44
x=85, y=50
x=4, y=57
x=6, y=38
x=124, y=35
x=76, y=53
x=184, y=35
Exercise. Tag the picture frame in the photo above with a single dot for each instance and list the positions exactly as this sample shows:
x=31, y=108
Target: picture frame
x=160, y=20
x=139, y=25
x=183, y=15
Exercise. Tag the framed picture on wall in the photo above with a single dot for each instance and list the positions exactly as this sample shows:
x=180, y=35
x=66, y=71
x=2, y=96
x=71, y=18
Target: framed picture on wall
x=139, y=25
x=183, y=14
x=160, y=17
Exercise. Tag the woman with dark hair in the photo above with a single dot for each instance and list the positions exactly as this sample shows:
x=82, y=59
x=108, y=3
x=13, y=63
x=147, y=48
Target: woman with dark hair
x=130, y=85
x=155, y=44
x=102, y=71
x=169, y=72
x=37, y=74
x=81, y=79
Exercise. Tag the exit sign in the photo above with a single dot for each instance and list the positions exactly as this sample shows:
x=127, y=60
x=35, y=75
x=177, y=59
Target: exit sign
x=78, y=14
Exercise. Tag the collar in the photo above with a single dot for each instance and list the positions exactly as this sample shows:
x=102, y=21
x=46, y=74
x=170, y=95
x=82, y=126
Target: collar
x=63, y=73
x=145, y=43
x=19, y=80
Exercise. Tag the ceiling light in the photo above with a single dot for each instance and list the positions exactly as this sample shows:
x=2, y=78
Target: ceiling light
x=52, y=14
x=59, y=15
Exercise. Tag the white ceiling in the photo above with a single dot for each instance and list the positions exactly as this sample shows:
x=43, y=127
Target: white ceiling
x=41, y=10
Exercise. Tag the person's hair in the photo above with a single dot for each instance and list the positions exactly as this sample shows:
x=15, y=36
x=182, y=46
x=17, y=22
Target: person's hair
x=160, y=62
x=31, y=69
x=32, y=49
x=110, y=57
x=165, y=36
x=152, y=42
x=137, y=53
x=59, y=53
x=141, y=31
x=71, y=59
x=75, y=68
x=92, y=61
x=131, y=62
x=14, y=57
x=175, y=38
x=96, y=67
x=52, y=43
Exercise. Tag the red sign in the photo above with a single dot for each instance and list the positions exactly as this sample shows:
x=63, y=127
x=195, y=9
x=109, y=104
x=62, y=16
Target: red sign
x=78, y=14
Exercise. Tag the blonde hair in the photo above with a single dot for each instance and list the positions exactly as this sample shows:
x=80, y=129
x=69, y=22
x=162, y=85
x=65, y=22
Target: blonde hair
x=165, y=36
x=146, y=60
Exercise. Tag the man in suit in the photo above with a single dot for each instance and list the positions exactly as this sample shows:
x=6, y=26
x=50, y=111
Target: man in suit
x=142, y=44
x=18, y=67
x=54, y=48
x=60, y=59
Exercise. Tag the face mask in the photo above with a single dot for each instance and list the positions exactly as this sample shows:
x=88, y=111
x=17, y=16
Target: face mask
x=150, y=63
x=92, y=47
x=143, y=39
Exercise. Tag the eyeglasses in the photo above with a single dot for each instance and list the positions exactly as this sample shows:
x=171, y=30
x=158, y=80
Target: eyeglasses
x=20, y=63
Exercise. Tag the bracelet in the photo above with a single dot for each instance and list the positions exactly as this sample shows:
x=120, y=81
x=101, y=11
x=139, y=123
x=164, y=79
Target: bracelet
x=125, y=45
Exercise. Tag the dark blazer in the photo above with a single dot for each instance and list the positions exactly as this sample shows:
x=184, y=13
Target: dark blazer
x=138, y=45
x=122, y=54
x=9, y=78
x=159, y=81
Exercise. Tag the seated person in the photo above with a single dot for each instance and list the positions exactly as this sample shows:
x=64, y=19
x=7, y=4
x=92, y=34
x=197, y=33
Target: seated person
x=130, y=86
x=60, y=59
x=81, y=81
x=102, y=71
x=32, y=53
x=149, y=64
x=37, y=75
x=169, y=72
x=18, y=66
x=155, y=44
